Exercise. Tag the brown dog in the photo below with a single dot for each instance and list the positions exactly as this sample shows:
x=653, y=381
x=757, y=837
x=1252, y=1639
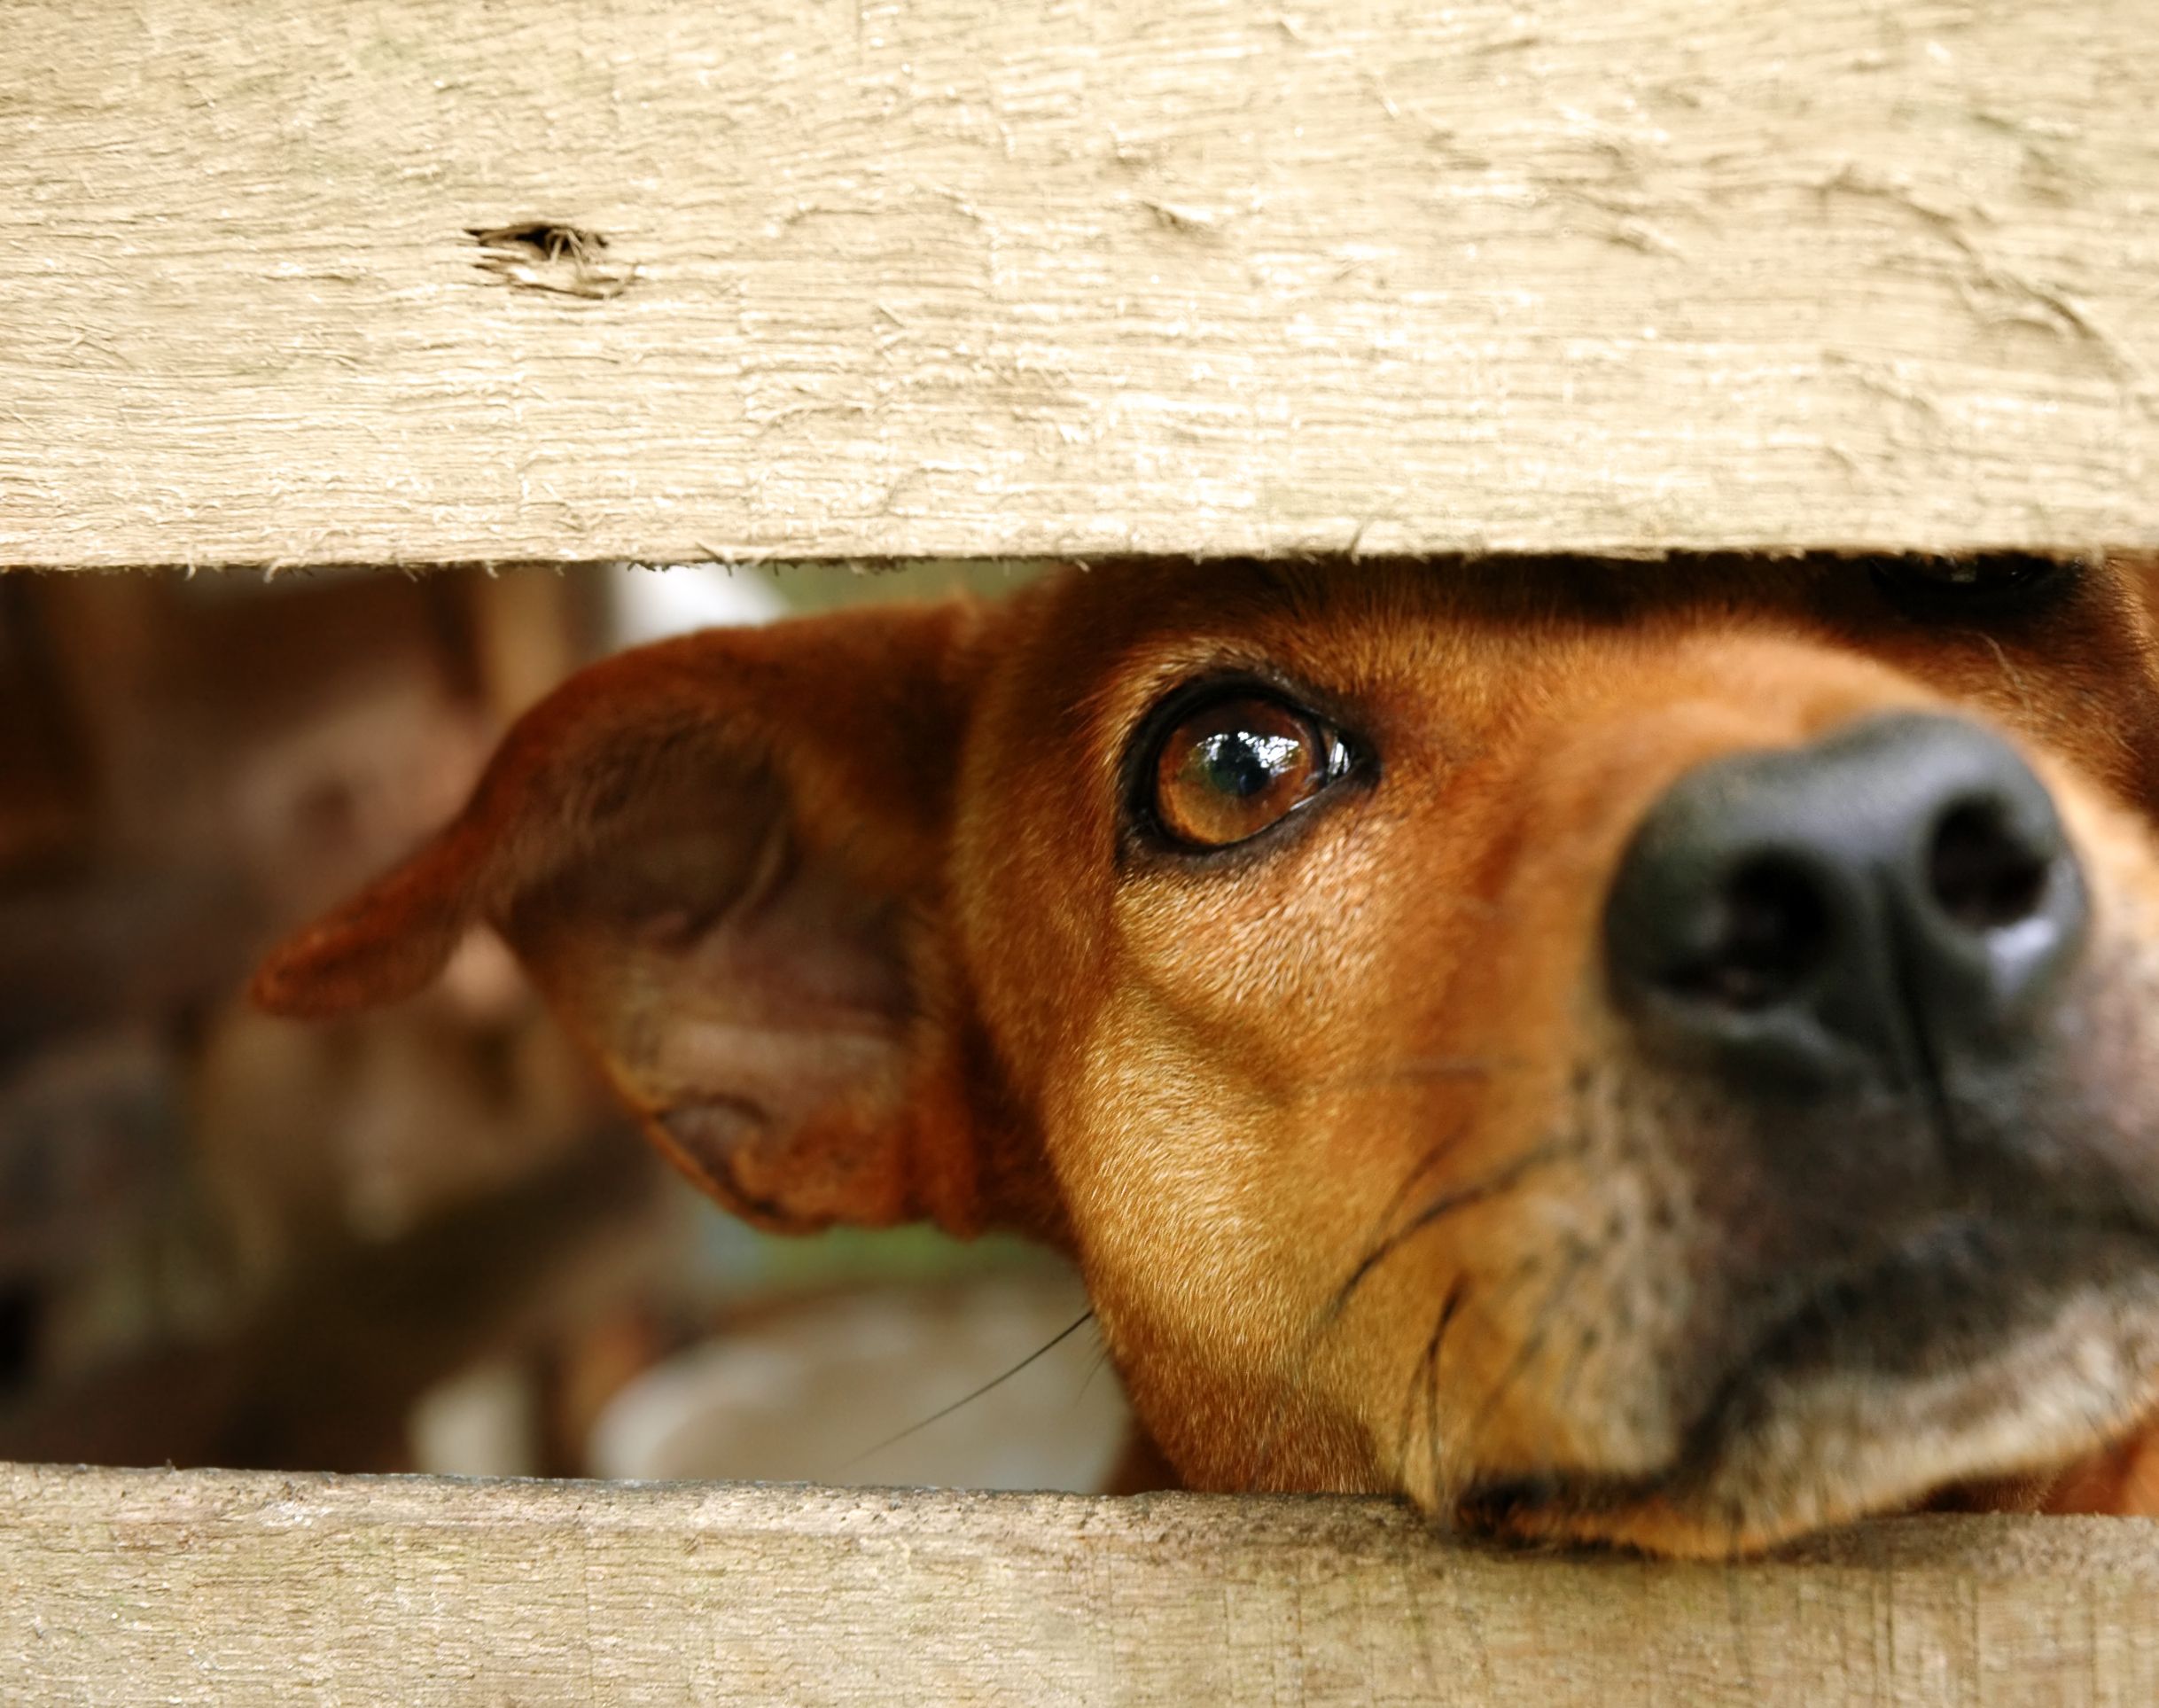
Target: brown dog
x=1654, y=1056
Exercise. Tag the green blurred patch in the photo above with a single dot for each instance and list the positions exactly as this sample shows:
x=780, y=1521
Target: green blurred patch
x=826, y=587
x=740, y=1260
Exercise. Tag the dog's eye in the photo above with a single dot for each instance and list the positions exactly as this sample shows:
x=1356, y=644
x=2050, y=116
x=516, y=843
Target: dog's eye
x=1237, y=765
x=1929, y=586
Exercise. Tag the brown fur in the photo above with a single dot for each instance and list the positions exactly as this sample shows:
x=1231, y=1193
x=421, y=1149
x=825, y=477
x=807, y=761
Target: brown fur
x=1371, y=1188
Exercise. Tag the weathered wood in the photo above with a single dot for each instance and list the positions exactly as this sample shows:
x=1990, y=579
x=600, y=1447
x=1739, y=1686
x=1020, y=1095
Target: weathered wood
x=972, y=277
x=240, y=1588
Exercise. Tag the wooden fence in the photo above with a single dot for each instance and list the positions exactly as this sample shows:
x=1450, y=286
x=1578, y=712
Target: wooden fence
x=231, y=1589
x=415, y=282
x=897, y=278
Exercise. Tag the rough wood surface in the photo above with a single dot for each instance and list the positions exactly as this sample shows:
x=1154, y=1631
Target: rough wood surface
x=226, y=1589
x=976, y=277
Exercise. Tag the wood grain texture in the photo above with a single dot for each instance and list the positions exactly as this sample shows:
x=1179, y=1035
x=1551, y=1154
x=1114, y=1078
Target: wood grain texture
x=218, y=1588
x=1044, y=277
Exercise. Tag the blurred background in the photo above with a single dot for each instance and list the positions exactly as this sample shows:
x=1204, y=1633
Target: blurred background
x=423, y=1239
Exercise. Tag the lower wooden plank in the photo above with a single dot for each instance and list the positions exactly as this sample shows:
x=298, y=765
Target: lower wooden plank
x=234, y=1588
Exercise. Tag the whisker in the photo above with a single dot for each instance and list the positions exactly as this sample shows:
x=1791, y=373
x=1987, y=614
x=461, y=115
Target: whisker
x=1455, y=1296
x=2009, y=671
x=1316, y=1332
x=1534, y=1342
x=1479, y=1191
x=1054, y=1341
x=1492, y=1186
x=1424, y=1373
x=1093, y=1370
x=1425, y=1164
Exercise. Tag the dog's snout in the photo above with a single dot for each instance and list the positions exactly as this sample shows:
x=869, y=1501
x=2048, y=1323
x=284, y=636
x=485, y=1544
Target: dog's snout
x=1899, y=891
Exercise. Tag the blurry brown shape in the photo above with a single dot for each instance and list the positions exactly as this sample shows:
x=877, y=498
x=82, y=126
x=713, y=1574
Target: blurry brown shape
x=118, y=946
x=86, y=1140
x=43, y=803
x=366, y=1129
x=186, y=766
x=287, y=736
x=588, y=1367
x=300, y=734
x=323, y=1375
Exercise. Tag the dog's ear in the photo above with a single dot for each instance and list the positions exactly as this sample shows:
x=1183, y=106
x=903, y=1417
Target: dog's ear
x=722, y=859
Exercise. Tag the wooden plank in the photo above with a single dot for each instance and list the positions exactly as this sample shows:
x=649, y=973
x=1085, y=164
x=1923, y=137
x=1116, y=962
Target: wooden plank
x=977, y=279
x=239, y=1588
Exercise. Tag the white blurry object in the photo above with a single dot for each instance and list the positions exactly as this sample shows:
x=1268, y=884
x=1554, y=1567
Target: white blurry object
x=650, y=604
x=805, y=1395
x=483, y=1421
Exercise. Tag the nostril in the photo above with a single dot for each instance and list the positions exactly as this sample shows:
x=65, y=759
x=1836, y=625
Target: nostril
x=1984, y=875
x=1767, y=935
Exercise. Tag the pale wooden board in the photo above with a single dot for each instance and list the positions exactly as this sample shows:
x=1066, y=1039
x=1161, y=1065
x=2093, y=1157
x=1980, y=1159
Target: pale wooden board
x=1040, y=277
x=226, y=1589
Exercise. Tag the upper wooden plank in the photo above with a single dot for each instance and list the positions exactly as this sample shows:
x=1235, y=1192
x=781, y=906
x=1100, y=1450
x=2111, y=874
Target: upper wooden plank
x=1070, y=276
x=236, y=1589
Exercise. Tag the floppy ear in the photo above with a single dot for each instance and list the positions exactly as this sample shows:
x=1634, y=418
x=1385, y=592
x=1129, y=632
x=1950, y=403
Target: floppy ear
x=722, y=859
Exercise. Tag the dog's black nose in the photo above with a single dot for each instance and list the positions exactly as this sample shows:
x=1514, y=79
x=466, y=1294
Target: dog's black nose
x=1898, y=894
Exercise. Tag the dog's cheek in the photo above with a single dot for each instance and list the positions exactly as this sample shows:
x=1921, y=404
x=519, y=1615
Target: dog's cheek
x=1179, y=1220
x=2095, y=1120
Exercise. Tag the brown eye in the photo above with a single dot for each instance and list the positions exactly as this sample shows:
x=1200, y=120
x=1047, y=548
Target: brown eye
x=1238, y=765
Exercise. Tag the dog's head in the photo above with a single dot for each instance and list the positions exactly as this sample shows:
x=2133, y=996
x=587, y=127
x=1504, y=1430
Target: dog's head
x=1660, y=1056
